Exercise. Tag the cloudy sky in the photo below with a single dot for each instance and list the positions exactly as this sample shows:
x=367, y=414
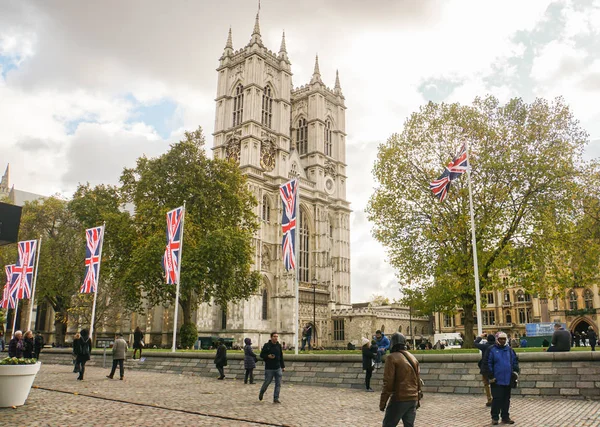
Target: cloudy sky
x=87, y=87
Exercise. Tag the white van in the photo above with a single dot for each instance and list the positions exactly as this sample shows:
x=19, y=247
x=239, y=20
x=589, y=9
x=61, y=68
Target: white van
x=450, y=340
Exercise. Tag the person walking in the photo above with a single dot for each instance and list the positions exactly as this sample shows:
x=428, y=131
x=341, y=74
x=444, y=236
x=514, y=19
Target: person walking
x=38, y=344
x=221, y=358
x=76, y=343
x=82, y=350
x=561, y=339
x=138, y=341
x=368, y=362
x=401, y=390
x=119, y=352
x=306, y=337
x=272, y=354
x=383, y=343
x=15, y=345
x=28, y=345
x=484, y=346
x=503, y=370
x=249, y=361
x=592, y=337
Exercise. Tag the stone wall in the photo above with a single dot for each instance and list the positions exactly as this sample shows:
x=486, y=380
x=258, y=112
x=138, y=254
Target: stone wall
x=572, y=375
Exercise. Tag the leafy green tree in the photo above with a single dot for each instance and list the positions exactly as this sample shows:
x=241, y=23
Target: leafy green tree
x=219, y=226
x=527, y=176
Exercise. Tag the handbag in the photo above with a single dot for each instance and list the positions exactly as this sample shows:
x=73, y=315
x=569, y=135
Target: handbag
x=419, y=380
x=142, y=343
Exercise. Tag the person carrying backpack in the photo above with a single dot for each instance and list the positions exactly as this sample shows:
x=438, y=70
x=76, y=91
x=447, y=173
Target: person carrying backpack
x=82, y=350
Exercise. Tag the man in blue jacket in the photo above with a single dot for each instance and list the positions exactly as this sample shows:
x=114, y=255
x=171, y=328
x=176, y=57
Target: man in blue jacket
x=503, y=368
x=383, y=343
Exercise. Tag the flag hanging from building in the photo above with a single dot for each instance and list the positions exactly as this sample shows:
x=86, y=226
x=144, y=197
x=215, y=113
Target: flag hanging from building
x=172, y=255
x=22, y=272
x=8, y=298
x=93, y=249
x=289, y=196
x=455, y=169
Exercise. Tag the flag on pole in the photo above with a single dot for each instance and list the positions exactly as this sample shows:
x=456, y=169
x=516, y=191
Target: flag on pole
x=173, y=248
x=289, y=196
x=22, y=273
x=93, y=238
x=455, y=169
x=8, y=298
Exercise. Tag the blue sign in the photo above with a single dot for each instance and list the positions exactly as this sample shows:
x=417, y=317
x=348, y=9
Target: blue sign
x=541, y=329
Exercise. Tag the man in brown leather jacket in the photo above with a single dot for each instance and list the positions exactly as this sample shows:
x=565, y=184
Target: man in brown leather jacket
x=401, y=385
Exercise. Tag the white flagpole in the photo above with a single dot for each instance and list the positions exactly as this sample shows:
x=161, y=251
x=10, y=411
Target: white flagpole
x=174, y=348
x=474, y=243
x=37, y=262
x=297, y=245
x=98, y=280
x=15, y=316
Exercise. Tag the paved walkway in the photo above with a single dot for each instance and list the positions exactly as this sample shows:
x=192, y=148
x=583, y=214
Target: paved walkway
x=150, y=399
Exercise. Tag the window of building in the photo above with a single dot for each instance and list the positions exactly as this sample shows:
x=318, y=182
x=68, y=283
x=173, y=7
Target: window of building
x=588, y=297
x=265, y=305
x=400, y=328
x=238, y=105
x=303, y=250
x=462, y=319
x=266, y=209
x=267, y=107
x=338, y=330
x=527, y=297
x=520, y=296
x=505, y=282
x=522, y=316
x=302, y=136
x=489, y=317
x=506, y=296
x=490, y=298
x=223, y=318
x=448, y=320
x=572, y=300
x=328, y=141
x=555, y=303
x=508, y=316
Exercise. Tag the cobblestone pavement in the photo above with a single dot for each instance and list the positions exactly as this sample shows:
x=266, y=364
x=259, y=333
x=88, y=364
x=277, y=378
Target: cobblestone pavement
x=149, y=399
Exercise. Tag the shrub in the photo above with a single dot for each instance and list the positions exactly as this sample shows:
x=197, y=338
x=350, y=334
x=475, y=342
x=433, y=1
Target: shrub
x=19, y=361
x=188, y=335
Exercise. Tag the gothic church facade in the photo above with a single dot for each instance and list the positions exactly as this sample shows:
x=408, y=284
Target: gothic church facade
x=276, y=133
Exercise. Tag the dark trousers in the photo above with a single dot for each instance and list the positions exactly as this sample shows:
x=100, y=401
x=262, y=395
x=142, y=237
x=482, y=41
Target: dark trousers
x=114, y=367
x=36, y=353
x=249, y=374
x=593, y=345
x=501, y=401
x=221, y=371
x=368, y=378
x=396, y=411
x=135, y=350
x=81, y=368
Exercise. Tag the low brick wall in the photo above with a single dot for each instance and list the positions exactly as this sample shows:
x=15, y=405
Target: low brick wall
x=573, y=375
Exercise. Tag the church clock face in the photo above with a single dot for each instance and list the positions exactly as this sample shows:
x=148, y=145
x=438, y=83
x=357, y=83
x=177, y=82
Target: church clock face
x=267, y=155
x=329, y=185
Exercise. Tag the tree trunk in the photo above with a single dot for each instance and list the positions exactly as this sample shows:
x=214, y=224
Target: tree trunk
x=60, y=329
x=186, y=309
x=469, y=337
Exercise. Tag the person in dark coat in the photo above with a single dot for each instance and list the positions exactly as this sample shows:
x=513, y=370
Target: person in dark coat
x=503, y=367
x=82, y=349
x=221, y=358
x=28, y=345
x=561, y=339
x=368, y=358
x=15, y=346
x=272, y=354
x=138, y=341
x=593, y=338
x=249, y=361
x=484, y=346
x=38, y=344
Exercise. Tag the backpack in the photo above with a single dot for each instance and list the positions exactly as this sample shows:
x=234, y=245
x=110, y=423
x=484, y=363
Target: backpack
x=85, y=348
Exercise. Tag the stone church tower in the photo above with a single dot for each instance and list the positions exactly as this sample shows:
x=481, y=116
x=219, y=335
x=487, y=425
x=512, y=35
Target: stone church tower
x=275, y=133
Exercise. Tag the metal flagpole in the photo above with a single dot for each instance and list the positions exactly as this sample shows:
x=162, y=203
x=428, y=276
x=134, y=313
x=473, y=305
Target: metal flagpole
x=297, y=308
x=178, y=280
x=474, y=243
x=15, y=316
x=37, y=262
x=97, y=280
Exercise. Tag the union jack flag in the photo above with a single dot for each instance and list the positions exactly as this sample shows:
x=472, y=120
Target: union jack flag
x=455, y=169
x=173, y=249
x=93, y=249
x=289, y=196
x=8, y=298
x=22, y=273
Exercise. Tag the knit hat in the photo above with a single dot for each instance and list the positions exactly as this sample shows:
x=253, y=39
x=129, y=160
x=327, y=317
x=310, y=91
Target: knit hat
x=365, y=341
x=502, y=335
x=491, y=338
x=248, y=341
x=397, y=338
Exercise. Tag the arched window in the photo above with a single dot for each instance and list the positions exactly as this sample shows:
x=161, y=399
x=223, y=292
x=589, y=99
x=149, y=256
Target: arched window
x=588, y=297
x=266, y=209
x=238, y=105
x=522, y=316
x=302, y=136
x=506, y=296
x=508, y=316
x=303, y=249
x=555, y=303
x=400, y=328
x=223, y=318
x=527, y=297
x=572, y=300
x=265, y=305
x=267, y=107
x=520, y=296
x=328, y=141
